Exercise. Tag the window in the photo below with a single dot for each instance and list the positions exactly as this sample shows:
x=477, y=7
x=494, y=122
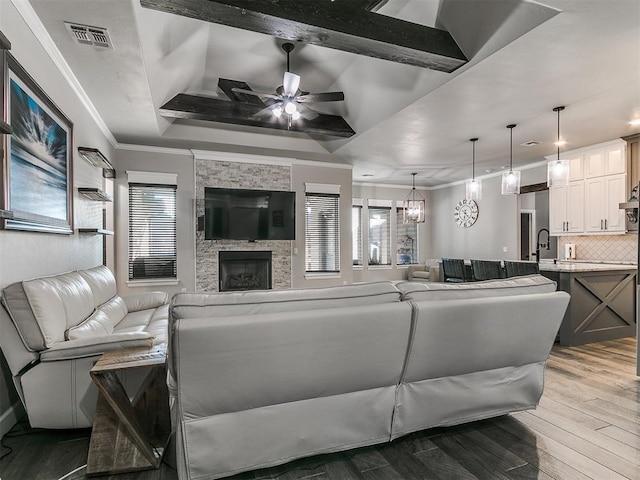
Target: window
x=322, y=232
x=379, y=235
x=406, y=240
x=356, y=234
x=152, y=230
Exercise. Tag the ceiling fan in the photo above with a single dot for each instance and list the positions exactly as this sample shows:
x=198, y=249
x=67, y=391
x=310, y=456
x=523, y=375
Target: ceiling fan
x=288, y=98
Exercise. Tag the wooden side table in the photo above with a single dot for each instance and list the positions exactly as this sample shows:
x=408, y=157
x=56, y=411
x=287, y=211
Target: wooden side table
x=129, y=435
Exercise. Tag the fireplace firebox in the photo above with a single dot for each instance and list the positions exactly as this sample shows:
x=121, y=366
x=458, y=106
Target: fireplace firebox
x=244, y=270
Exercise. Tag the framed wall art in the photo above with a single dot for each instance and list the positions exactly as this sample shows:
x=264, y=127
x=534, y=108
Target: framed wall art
x=37, y=181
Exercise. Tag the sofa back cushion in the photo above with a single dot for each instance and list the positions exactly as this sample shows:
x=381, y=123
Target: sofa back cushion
x=44, y=308
x=489, y=288
x=102, y=283
x=192, y=305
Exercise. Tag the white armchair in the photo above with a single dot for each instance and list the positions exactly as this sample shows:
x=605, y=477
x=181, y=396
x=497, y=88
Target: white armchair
x=428, y=272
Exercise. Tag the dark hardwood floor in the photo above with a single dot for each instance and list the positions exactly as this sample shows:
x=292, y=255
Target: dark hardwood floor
x=587, y=426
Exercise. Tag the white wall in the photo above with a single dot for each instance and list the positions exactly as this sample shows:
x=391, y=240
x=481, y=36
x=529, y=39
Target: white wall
x=26, y=255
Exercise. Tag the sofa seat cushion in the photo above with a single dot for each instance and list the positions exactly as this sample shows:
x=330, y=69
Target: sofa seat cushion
x=43, y=309
x=153, y=321
x=97, y=324
x=489, y=288
x=192, y=305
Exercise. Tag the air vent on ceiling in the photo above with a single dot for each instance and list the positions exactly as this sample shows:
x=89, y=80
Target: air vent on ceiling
x=86, y=35
x=530, y=143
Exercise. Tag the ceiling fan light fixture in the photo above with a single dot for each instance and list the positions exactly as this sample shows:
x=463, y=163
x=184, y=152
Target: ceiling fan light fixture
x=277, y=111
x=473, y=187
x=511, y=178
x=290, y=107
x=414, y=206
x=558, y=171
x=295, y=115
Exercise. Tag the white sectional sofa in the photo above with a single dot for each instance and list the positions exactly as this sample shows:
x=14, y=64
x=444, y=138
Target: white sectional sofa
x=261, y=378
x=55, y=328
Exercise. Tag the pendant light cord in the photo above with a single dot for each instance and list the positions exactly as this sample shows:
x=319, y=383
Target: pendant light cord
x=473, y=158
x=558, y=109
x=511, y=127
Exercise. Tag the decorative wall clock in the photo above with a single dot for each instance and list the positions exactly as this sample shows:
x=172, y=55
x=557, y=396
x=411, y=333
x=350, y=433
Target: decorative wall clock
x=466, y=213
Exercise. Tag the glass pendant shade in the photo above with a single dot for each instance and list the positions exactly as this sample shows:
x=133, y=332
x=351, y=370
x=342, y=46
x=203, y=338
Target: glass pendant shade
x=511, y=179
x=473, y=190
x=511, y=182
x=413, y=207
x=473, y=186
x=558, y=171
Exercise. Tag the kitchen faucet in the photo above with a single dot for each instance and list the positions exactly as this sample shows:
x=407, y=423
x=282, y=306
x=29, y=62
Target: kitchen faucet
x=538, y=243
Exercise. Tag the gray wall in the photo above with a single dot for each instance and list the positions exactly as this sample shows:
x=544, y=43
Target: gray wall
x=26, y=255
x=368, y=192
x=497, y=227
x=159, y=160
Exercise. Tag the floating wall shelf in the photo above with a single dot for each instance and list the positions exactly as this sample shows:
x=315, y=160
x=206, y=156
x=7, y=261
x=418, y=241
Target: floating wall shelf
x=95, y=231
x=95, y=194
x=97, y=159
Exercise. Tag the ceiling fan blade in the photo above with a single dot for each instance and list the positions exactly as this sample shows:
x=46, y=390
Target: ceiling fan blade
x=257, y=94
x=307, y=113
x=290, y=83
x=321, y=97
x=265, y=112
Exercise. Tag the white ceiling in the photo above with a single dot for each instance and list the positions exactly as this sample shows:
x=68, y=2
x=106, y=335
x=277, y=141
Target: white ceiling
x=525, y=59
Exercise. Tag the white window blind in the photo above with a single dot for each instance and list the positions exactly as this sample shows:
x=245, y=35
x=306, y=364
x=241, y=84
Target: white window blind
x=356, y=234
x=152, y=231
x=322, y=232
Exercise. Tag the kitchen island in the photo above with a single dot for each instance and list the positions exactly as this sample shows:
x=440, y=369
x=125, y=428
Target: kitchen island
x=603, y=300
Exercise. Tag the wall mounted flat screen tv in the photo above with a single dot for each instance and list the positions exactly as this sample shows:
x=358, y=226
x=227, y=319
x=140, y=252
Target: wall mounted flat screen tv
x=236, y=214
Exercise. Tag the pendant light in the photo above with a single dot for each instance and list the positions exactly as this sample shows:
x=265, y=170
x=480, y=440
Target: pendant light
x=511, y=179
x=473, y=185
x=413, y=208
x=558, y=170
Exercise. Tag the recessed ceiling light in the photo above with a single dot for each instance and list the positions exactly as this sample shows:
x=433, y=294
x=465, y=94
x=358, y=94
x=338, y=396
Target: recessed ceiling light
x=635, y=122
x=367, y=174
x=530, y=143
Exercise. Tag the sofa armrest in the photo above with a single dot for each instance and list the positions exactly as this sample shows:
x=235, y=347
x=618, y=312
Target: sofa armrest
x=90, y=346
x=145, y=301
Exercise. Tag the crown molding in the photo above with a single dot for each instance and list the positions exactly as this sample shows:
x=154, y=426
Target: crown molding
x=29, y=15
x=241, y=158
x=315, y=163
x=153, y=149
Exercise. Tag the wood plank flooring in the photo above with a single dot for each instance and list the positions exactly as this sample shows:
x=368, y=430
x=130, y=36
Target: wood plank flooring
x=587, y=426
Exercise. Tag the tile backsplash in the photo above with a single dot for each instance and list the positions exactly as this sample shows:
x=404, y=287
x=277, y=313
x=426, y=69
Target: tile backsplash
x=622, y=248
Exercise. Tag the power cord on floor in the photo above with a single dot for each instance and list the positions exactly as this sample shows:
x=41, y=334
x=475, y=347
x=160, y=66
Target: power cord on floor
x=72, y=472
x=17, y=433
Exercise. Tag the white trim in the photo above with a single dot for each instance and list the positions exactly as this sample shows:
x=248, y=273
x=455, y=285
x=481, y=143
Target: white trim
x=357, y=202
x=374, y=202
x=379, y=267
x=388, y=185
x=153, y=283
x=321, y=276
x=33, y=21
x=152, y=149
x=327, y=188
x=241, y=158
x=315, y=163
x=152, y=177
x=10, y=417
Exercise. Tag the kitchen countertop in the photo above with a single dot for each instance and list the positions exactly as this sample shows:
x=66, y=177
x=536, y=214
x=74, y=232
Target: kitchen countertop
x=583, y=266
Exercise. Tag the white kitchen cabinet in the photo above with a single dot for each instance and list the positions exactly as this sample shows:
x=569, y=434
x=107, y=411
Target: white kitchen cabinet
x=566, y=209
x=610, y=160
x=602, y=196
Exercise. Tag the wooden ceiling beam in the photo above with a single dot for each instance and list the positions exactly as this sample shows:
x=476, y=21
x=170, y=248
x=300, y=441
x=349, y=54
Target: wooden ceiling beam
x=351, y=26
x=239, y=113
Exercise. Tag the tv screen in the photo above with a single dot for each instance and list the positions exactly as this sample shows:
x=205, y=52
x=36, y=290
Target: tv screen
x=235, y=214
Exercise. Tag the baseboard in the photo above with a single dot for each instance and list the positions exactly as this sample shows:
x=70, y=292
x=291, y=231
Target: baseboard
x=9, y=418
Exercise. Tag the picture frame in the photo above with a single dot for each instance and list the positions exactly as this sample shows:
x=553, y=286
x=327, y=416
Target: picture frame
x=37, y=169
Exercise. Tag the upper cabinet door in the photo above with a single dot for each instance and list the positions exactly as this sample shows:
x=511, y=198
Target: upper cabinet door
x=575, y=167
x=594, y=164
x=615, y=160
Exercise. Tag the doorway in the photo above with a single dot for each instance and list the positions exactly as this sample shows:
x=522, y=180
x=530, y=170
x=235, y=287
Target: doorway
x=527, y=229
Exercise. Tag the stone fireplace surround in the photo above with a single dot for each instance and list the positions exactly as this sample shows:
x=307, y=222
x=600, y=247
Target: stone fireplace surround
x=223, y=173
